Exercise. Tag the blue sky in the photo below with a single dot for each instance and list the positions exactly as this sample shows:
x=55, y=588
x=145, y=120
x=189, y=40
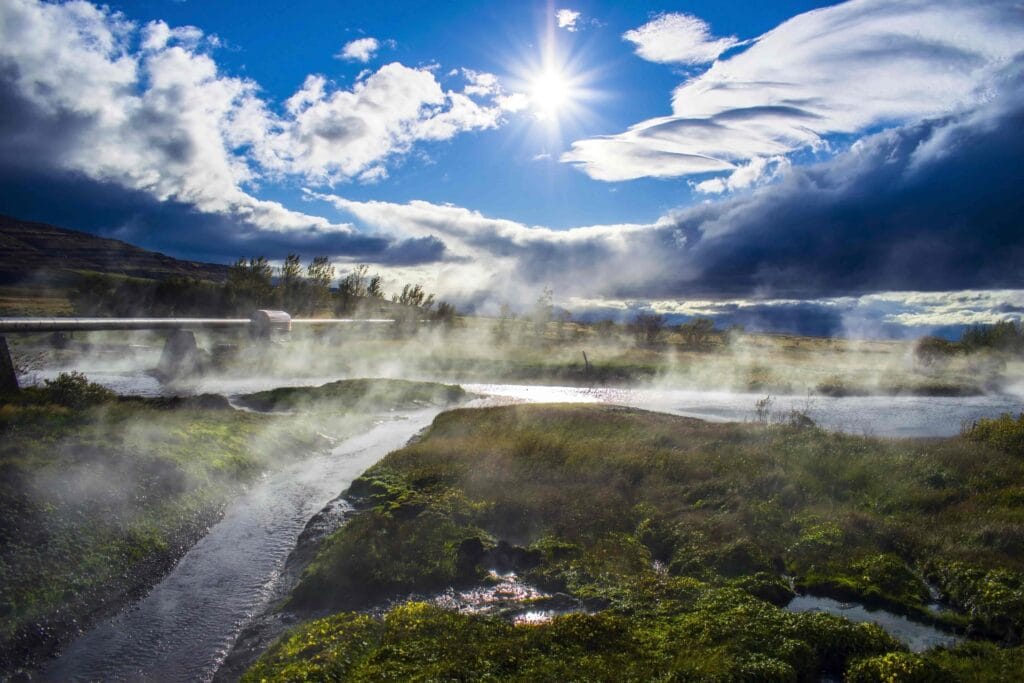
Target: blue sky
x=776, y=164
x=278, y=49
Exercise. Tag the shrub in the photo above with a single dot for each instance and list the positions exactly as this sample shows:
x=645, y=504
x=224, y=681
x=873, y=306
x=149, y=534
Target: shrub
x=895, y=666
x=74, y=390
x=1003, y=432
x=931, y=350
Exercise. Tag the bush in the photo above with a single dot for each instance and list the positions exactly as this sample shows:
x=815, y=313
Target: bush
x=1003, y=432
x=895, y=666
x=74, y=390
x=931, y=350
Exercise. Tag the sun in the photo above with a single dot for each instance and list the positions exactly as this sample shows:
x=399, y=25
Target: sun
x=550, y=92
x=556, y=83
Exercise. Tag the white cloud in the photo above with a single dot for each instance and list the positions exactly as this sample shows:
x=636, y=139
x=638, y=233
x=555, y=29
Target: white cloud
x=480, y=83
x=903, y=308
x=841, y=69
x=163, y=119
x=567, y=19
x=360, y=50
x=510, y=260
x=335, y=134
x=760, y=170
x=678, y=39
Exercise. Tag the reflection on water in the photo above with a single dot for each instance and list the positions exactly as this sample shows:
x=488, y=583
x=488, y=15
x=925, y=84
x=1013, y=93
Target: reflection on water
x=536, y=616
x=916, y=636
x=504, y=595
x=890, y=416
x=506, y=591
x=872, y=415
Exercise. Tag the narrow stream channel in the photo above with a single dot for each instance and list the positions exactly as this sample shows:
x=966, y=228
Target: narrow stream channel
x=183, y=629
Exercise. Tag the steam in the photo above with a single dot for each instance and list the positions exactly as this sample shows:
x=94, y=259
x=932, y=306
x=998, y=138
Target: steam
x=520, y=360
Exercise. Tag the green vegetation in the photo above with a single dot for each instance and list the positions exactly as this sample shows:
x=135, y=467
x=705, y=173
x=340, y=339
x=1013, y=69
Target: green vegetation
x=680, y=536
x=1004, y=339
x=100, y=495
x=366, y=394
x=1003, y=432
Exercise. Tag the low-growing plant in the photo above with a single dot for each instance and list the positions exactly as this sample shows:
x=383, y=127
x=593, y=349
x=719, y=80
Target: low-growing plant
x=1004, y=432
x=74, y=390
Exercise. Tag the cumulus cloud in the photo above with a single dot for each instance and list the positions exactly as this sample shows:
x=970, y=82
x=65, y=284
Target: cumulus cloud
x=677, y=38
x=359, y=50
x=759, y=171
x=567, y=19
x=837, y=70
x=334, y=134
x=915, y=212
x=86, y=91
x=492, y=257
x=138, y=127
x=878, y=218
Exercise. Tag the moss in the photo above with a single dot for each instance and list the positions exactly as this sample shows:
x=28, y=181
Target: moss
x=678, y=532
x=417, y=641
x=895, y=666
x=99, y=497
x=878, y=579
x=1004, y=432
x=367, y=394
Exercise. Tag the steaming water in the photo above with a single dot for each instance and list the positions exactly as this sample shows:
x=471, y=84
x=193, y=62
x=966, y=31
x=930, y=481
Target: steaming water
x=891, y=416
x=183, y=629
x=916, y=636
x=873, y=415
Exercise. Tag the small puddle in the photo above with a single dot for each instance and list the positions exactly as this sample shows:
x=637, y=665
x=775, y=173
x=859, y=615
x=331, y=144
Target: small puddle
x=507, y=596
x=916, y=636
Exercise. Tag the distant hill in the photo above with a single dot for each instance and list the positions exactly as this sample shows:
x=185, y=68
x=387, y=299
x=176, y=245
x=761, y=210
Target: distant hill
x=29, y=250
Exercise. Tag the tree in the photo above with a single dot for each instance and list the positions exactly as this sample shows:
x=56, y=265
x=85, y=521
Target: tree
x=562, y=317
x=500, y=331
x=413, y=295
x=542, y=311
x=445, y=314
x=294, y=297
x=929, y=351
x=375, y=289
x=250, y=284
x=320, y=274
x=352, y=288
x=647, y=327
x=697, y=331
x=1006, y=335
x=605, y=329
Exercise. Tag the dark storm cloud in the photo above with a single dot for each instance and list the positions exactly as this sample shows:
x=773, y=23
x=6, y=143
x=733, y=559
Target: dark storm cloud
x=935, y=206
x=72, y=201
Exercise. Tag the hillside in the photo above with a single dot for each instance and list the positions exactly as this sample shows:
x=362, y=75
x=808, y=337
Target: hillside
x=29, y=250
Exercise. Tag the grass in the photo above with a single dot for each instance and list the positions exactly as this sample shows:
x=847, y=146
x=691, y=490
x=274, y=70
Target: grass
x=100, y=495
x=96, y=501
x=594, y=495
x=33, y=301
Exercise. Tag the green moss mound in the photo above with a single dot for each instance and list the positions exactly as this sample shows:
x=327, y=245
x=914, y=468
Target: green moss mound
x=366, y=394
x=657, y=521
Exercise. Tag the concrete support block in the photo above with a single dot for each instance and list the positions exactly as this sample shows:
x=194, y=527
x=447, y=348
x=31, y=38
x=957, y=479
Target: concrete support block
x=181, y=356
x=8, y=378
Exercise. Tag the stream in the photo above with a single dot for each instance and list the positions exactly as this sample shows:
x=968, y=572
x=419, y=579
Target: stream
x=183, y=629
